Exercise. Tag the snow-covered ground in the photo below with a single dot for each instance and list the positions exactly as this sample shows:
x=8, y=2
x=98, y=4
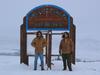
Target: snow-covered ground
x=10, y=65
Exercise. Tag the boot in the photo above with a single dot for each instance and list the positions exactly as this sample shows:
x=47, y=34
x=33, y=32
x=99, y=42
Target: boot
x=42, y=68
x=64, y=68
x=35, y=69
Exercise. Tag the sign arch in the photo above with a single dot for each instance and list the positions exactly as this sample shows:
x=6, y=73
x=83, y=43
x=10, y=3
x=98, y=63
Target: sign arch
x=48, y=17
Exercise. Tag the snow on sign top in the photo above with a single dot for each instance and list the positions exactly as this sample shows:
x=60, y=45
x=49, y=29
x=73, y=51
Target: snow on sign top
x=47, y=17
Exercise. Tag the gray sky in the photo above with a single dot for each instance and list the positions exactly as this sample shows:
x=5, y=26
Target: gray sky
x=86, y=15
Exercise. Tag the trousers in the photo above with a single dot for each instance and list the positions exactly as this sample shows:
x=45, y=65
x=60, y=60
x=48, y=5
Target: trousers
x=40, y=55
x=67, y=57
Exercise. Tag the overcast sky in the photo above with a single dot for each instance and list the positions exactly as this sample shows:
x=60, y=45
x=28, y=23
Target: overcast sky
x=85, y=13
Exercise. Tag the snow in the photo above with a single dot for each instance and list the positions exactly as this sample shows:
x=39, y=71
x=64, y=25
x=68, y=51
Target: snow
x=86, y=16
x=10, y=65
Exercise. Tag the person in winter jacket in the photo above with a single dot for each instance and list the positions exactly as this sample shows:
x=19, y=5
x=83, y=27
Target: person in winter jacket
x=39, y=43
x=66, y=49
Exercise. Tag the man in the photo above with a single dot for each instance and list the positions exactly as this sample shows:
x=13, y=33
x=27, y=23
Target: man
x=39, y=43
x=66, y=49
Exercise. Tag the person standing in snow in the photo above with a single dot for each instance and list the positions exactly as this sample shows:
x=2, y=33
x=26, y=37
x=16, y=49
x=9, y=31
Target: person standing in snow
x=66, y=49
x=39, y=43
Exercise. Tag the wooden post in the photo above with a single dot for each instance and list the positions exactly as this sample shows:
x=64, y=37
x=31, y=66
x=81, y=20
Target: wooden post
x=49, y=37
x=74, y=41
x=23, y=45
x=46, y=49
x=73, y=37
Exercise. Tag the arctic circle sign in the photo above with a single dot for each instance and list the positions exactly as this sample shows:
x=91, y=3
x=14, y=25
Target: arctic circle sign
x=47, y=17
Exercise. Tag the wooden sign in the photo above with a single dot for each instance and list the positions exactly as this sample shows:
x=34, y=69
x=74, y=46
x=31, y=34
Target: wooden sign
x=47, y=18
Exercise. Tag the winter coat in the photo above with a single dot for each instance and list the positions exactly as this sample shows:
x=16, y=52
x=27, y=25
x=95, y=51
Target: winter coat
x=39, y=44
x=66, y=46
